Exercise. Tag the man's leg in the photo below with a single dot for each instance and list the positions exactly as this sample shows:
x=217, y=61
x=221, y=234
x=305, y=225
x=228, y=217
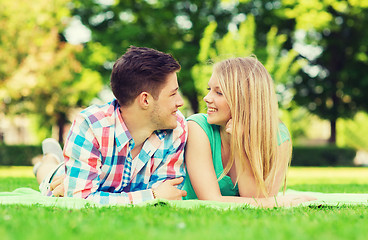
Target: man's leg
x=51, y=146
x=52, y=157
x=47, y=165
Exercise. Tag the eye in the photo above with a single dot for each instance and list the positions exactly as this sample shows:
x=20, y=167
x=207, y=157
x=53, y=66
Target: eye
x=173, y=94
x=219, y=93
x=208, y=89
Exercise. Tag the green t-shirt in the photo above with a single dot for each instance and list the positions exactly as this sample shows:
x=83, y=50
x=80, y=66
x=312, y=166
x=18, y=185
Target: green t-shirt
x=227, y=187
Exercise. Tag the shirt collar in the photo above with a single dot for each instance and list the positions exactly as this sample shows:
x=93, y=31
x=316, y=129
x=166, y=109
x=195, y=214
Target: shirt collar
x=122, y=134
x=153, y=142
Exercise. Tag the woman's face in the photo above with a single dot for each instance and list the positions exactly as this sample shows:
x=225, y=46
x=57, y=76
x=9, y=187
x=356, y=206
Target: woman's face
x=217, y=108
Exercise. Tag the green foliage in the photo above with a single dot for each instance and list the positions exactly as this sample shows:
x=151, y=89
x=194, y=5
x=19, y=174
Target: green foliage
x=353, y=132
x=170, y=26
x=18, y=155
x=94, y=57
x=297, y=120
x=24, y=29
x=39, y=73
x=322, y=156
x=176, y=27
x=309, y=14
x=241, y=42
x=316, y=14
x=334, y=83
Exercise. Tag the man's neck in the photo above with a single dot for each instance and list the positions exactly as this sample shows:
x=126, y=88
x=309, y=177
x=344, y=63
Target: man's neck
x=137, y=124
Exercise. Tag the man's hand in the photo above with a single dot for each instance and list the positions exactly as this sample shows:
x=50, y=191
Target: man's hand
x=57, y=186
x=167, y=190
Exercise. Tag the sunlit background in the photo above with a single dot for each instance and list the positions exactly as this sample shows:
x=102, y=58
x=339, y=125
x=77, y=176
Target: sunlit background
x=56, y=58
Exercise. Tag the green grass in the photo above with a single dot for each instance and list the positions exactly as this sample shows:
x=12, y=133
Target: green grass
x=164, y=222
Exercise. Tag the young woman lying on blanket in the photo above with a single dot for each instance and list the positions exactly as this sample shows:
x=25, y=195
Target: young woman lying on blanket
x=239, y=151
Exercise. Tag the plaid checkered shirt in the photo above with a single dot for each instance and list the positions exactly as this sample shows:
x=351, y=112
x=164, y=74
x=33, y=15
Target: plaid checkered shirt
x=99, y=164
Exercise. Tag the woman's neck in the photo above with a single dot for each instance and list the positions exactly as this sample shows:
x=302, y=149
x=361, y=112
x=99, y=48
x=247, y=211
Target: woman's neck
x=225, y=136
x=225, y=153
x=225, y=146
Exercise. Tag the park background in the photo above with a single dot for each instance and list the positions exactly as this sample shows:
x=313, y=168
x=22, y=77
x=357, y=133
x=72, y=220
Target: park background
x=56, y=58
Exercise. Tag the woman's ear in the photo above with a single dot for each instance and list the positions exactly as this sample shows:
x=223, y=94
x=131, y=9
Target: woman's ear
x=229, y=126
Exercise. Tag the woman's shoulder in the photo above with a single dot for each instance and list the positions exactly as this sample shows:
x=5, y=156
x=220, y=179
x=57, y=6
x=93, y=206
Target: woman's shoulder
x=201, y=120
x=198, y=117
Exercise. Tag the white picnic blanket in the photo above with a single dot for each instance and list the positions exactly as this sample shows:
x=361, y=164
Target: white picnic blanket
x=28, y=196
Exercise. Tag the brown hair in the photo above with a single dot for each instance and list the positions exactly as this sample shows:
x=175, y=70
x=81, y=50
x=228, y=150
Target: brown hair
x=140, y=70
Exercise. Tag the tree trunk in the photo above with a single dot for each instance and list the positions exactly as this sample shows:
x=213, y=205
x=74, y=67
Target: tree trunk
x=194, y=104
x=61, y=125
x=332, y=139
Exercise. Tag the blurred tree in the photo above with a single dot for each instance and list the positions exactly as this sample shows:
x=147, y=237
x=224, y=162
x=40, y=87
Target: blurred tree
x=332, y=36
x=172, y=26
x=168, y=25
x=240, y=42
x=353, y=132
x=39, y=72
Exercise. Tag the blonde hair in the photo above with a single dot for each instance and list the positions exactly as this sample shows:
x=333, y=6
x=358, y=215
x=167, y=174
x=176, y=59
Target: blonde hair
x=249, y=91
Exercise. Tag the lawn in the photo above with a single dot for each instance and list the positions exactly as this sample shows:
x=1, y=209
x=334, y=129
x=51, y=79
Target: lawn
x=164, y=222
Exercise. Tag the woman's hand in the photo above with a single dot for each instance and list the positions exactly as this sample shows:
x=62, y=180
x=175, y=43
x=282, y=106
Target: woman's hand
x=287, y=201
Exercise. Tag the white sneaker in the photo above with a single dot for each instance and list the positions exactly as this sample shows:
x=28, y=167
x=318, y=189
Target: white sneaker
x=51, y=146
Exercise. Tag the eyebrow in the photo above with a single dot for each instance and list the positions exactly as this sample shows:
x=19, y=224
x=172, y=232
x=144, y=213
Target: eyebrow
x=174, y=90
x=217, y=87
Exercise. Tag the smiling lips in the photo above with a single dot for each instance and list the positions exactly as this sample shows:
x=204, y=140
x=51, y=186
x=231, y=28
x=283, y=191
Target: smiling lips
x=211, y=110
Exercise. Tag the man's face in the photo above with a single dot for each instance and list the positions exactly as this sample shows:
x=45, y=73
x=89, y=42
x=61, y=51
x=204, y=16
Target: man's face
x=163, y=114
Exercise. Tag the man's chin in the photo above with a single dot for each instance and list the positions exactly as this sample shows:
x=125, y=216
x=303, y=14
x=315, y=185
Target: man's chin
x=171, y=125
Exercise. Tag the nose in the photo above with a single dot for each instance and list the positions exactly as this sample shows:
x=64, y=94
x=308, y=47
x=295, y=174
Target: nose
x=207, y=98
x=180, y=101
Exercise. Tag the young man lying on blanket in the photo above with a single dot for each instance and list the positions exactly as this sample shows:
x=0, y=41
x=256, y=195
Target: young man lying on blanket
x=129, y=150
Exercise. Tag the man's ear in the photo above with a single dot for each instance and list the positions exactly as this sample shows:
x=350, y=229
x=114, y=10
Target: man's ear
x=144, y=99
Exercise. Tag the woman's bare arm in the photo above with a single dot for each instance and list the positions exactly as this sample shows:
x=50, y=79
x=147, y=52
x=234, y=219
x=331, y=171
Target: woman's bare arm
x=198, y=157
